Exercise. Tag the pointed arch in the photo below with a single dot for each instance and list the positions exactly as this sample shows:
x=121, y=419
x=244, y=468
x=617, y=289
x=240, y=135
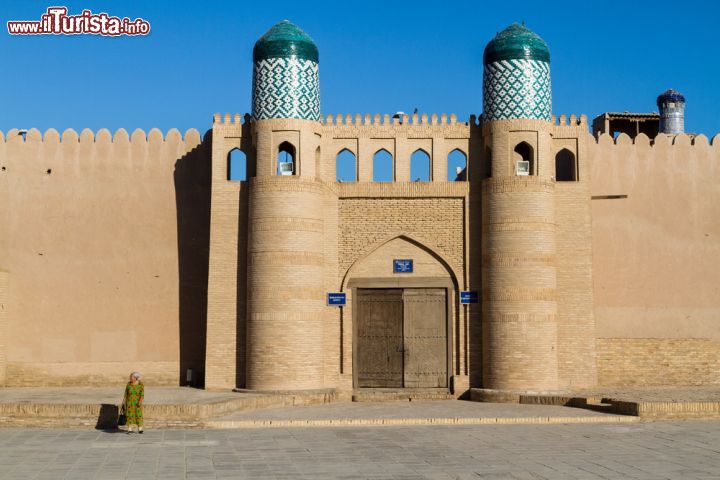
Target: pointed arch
x=423, y=245
x=236, y=165
x=346, y=166
x=457, y=165
x=524, y=152
x=565, y=166
x=420, y=167
x=286, y=159
x=383, y=166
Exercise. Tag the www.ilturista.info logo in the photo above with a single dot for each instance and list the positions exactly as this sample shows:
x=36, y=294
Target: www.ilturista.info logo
x=56, y=21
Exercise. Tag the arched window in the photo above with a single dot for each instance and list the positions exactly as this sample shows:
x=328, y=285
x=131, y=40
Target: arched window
x=524, y=159
x=457, y=166
x=420, y=166
x=286, y=164
x=345, y=166
x=487, y=163
x=236, y=165
x=565, y=167
x=383, y=166
x=318, y=168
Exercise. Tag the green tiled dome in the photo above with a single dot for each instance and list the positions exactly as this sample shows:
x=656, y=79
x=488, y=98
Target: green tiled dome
x=285, y=40
x=516, y=42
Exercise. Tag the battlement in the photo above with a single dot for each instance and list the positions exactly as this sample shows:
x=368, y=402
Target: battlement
x=231, y=119
x=661, y=141
x=387, y=119
x=396, y=120
x=571, y=121
x=154, y=136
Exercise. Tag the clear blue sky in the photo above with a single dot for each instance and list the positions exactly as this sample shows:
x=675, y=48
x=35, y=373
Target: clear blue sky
x=375, y=57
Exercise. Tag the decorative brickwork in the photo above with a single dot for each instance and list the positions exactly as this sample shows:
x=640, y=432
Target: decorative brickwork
x=366, y=221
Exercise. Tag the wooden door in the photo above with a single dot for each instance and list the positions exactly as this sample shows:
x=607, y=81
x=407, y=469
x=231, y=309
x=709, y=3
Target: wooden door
x=379, y=338
x=425, y=337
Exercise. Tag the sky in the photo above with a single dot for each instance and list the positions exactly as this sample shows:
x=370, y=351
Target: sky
x=375, y=57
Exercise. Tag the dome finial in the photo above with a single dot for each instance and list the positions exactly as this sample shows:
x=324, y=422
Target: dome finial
x=285, y=39
x=514, y=43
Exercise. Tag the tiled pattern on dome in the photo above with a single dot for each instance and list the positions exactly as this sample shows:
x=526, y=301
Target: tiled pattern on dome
x=517, y=89
x=286, y=88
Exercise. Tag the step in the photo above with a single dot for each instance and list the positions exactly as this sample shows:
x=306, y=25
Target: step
x=401, y=394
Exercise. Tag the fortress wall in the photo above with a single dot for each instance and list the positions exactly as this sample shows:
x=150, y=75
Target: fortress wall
x=3, y=325
x=656, y=258
x=431, y=214
x=576, y=322
x=364, y=136
x=90, y=243
x=227, y=288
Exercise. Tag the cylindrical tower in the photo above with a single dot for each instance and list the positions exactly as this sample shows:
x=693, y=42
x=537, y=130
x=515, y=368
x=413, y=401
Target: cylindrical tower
x=519, y=302
x=671, y=104
x=516, y=82
x=285, y=217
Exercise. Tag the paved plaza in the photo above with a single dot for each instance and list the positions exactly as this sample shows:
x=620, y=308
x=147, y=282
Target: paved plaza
x=659, y=450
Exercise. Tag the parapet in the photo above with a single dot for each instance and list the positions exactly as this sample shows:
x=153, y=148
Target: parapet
x=154, y=136
x=570, y=121
x=661, y=141
x=395, y=120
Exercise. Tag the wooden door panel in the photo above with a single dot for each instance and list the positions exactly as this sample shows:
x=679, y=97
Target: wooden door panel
x=425, y=337
x=379, y=338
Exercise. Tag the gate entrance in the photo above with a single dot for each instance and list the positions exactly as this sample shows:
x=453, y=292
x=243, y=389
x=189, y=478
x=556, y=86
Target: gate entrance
x=401, y=338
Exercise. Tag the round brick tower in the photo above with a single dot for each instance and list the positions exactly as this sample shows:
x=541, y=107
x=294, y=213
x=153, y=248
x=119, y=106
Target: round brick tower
x=519, y=305
x=285, y=237
x=671, y=104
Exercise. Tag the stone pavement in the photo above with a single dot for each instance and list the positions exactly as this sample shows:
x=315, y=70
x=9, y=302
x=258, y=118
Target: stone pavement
x=658, y=450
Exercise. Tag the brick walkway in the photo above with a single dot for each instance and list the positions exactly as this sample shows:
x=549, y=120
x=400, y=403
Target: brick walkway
x=688, y=450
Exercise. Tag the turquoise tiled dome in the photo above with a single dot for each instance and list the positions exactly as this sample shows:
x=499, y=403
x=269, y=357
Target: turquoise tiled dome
x=516, y=76
x=516, y=42
x=285, y=40
x=286, y=83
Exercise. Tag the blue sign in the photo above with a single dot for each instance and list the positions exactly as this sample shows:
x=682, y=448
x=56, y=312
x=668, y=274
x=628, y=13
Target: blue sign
x=336, y=299
x=468, y=296
x=402, y=266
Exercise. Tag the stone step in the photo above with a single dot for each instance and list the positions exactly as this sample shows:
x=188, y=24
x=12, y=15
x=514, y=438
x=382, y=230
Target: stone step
x=176, y=415
x=401, y=394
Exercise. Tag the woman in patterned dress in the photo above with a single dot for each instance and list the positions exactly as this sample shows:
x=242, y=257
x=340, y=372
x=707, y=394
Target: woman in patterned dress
x=132, y=402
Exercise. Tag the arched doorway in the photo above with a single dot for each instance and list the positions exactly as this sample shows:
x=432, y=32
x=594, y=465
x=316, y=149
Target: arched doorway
x=401, y=323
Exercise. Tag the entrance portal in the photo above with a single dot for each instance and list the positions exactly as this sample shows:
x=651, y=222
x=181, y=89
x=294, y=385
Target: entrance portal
x=401, y=338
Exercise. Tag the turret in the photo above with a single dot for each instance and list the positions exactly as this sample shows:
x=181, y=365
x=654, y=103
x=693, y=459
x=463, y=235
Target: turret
x=519, y=280
x=671, y=104
x=285, y=216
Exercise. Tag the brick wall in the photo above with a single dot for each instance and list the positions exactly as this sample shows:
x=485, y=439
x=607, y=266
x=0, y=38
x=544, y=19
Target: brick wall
x=3, y=325
x=658, y=361
x=656, y=255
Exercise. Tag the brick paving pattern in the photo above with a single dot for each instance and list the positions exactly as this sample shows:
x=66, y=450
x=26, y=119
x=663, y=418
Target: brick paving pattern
x=687, y=450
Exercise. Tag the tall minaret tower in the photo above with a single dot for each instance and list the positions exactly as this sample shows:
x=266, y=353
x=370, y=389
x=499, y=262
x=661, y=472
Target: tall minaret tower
x=285, y=237
x=519, y=304
x=671, y=104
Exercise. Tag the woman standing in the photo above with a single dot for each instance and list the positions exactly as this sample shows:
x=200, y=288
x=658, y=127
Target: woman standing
x=132, y=402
